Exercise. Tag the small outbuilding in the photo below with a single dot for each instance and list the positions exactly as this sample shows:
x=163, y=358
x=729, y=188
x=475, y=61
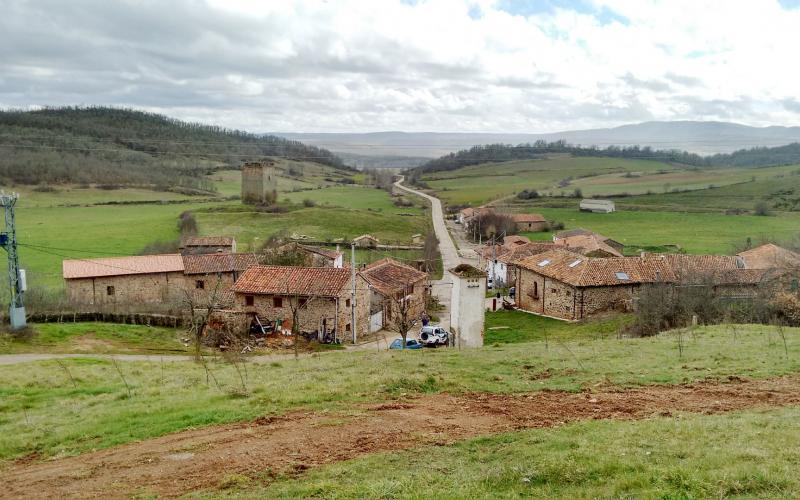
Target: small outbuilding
x=598, y=206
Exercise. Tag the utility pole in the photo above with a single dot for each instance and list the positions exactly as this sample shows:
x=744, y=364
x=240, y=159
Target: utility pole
x=16, y=276
x=353, y=292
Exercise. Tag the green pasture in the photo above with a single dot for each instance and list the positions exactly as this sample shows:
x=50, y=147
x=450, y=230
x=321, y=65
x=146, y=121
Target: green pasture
x=77, y=405
x=479, y=184
x=713, y=233
x=95, y=338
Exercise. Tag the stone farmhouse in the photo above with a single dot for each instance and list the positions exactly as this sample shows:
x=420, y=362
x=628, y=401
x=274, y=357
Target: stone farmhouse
x=467, y=215
x=395, y=289
x=568, y=285
x=588, y=243
x=194, y=245
x=316, y=256
x=770, y=256
x=366, y=241
x=125, y=281
x=530, y=222
x=165, y=280
x=321, y=296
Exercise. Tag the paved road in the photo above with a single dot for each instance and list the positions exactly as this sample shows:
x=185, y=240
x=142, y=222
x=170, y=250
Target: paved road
x=450, y=258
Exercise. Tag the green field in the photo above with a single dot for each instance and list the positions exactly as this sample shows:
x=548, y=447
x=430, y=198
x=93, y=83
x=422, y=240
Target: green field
x=96, y=338
x=96, y=412
x=713, y=233
x=73, y=222
x=479, y=184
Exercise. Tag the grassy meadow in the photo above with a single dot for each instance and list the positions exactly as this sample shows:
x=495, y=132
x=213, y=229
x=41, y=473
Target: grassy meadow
x=77, y=221
x=76, y=405
x=95, y=338
x=747, y=454
x=714, y=233
x=478, y=184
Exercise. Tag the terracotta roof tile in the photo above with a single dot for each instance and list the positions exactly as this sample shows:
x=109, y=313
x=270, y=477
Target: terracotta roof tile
x=118, y=266
x=523, y=251
x=578, y=270
x=218, y=262
x=770, y=256
x=207, y=241
x=389, y=276
x=281, y=280
x=588, y=244
x=528, y=218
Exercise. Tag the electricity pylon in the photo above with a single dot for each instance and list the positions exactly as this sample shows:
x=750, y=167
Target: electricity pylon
x=16, y=277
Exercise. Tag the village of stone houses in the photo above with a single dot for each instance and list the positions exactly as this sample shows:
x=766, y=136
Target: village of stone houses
x=446, y=249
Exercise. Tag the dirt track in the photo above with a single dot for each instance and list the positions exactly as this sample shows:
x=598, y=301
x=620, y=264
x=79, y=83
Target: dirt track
x=187, y=461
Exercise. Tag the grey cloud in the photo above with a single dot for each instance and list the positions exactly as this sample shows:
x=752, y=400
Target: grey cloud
x=652, y=85
x=687, y=81
x=792, y=105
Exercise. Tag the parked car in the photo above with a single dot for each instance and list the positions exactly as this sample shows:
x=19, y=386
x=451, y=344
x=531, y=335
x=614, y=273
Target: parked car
x=410, y=344
x=433, y=336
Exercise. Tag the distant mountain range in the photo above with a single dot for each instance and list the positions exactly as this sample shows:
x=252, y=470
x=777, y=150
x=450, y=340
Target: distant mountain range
x=693, y=136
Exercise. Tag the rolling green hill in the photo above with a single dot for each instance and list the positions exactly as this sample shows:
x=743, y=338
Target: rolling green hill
x=114, y=146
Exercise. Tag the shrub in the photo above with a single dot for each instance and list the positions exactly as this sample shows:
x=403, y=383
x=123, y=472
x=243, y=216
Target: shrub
x=761, y=209
x=309, y=203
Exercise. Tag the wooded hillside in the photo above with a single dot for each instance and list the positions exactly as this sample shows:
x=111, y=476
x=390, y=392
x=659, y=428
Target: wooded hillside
x=113, y=146
x=754, y=157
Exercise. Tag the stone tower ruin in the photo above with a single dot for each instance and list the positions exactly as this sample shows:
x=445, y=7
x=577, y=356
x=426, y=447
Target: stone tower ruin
x=259, y=183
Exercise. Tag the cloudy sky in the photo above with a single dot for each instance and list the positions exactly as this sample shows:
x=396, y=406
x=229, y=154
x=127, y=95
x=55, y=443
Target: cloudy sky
x=370, y=65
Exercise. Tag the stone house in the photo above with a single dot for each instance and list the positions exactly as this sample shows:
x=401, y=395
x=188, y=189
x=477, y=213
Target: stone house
x=366, y=241
x=467, y=215
x=530, y=222
x=395, y=288
x=316, y=256
x=212, y=275
x=588, y=243
x=571, y=286
x=770, y=256
x=497, y=260
x=194, y=245
x=118, y=282
x=321, y=295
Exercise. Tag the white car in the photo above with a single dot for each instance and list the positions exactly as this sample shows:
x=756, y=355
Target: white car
x=433, y=336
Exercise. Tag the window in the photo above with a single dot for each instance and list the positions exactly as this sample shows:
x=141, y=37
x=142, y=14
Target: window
x=553, y=290
x=347, y=327
x=200, y=284
x=303, y=301
x=568, y=293
x=544, y=262
x=110, y=290
x=347, y=303
x=575, y=263
x=567, y=308
x=249, y=300
x=622, y=276
x=535, y=290
x=277, y=301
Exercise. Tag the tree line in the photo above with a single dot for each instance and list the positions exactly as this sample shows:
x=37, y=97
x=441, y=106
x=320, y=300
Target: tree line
x=123, y=146
x=753, y=157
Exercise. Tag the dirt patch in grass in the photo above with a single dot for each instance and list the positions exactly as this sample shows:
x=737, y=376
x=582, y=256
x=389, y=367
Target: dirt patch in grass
x=296, y=442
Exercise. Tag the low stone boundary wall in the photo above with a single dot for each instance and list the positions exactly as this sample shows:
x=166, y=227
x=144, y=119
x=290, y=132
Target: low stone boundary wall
x=123, y=318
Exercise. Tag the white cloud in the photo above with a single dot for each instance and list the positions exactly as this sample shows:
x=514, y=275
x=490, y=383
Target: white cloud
x=446, y=65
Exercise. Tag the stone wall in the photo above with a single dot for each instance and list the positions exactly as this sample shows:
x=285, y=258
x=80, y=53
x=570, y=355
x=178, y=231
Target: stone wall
x=531, y=226
x=542, y=295
x=128, y=290
x=316, y=313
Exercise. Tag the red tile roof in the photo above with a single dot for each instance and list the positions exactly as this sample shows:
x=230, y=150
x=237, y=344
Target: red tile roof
x=528, y=218
x=305, y=281
x=770, y=256
x=580, y=271
x=390, y=277
x=218, y=262
x=523, y=251
x=587, y=244
x=513, y=240
x=207, y=241
x=118, y=266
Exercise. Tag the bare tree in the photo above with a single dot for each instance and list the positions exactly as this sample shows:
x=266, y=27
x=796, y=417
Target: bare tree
x=400, y=309
x=430, y=252
x=200, y=306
